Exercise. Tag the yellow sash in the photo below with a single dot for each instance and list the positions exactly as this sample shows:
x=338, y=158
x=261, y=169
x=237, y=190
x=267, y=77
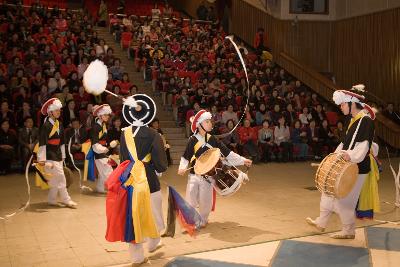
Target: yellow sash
x=196, y=147
x=55, y=128
x=104, y=130
x=353, y=120
x=38, y=181
x=85, y=149
x=142, y=215
x=369, y=196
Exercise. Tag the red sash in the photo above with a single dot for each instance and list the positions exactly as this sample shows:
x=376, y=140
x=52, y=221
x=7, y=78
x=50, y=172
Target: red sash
x=54, y=142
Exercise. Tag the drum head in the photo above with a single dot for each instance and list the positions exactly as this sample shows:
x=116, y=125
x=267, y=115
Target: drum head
x=347, y=180
x=207, y=161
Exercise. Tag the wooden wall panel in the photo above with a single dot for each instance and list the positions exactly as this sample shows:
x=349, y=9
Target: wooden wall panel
x=366, y=49
x=307, y=41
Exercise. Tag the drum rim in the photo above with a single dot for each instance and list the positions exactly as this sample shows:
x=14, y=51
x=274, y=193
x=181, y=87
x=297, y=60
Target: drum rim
x=200, y=167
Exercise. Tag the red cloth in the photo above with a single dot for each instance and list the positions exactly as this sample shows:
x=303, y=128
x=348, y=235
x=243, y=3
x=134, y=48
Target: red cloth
x=116, y=205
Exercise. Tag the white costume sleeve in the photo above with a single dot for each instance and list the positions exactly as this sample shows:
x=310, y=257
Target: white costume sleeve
x=339, y=148
x=183, y=164
x=375, y=149
x=41, y=155
x=63, y=151
x=234, y=159
x=358, y=153
x=99, y=149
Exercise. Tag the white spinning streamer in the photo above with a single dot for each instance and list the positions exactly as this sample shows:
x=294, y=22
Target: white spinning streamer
x=230, y=38
x=81, y=187
x=29, y=193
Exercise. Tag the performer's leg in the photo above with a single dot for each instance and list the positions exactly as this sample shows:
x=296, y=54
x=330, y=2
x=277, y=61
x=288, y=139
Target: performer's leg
x=156, y=207
x=136, y=253
x=62, y=183
x=192, y=190
x=205, y=201
x=326, y=207
x=53, y=182
x=104, y=170
x=345, y=207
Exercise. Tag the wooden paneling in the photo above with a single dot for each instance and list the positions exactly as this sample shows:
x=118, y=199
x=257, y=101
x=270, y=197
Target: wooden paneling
x=384, y=128
x=307, y=41
x=366, y=49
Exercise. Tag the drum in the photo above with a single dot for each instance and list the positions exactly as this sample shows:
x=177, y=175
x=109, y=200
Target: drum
x=336, y=176
x=225, y=179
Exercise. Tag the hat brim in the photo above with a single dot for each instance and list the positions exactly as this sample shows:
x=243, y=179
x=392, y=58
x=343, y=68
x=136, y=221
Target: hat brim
x=145, y=115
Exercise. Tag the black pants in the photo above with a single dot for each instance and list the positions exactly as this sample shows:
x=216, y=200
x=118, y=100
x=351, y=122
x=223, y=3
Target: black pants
x=267, y=150
x=251, y=149
x=287, y=151
x=6, y=158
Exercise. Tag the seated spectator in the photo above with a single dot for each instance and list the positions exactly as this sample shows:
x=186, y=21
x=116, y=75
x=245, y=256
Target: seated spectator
x=216, y=119
x=262, y=114
x=155, y=124
x=5, y=94
x=326, y=136
x=7, y=114
x=69, y=113
x=230, y=140
x=8, y=146
x=25, y=112
x=65, y=95
x=28, y=136
x=101, y=48
x=82, y=98
x=318, y=114
x=299, y=139
x=305, y=117
x=282, y=139
x=266, y=141
x=339, y=132
x=117, y=70
x=229, y=114
x=391, y=113
x=314, y=140
x=19, y=80
x=290, y=114
x=56, y=83
x=67, y=67
x=248, y=140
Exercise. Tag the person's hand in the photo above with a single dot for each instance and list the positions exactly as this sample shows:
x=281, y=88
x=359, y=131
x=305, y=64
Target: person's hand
x=346, y=156
x=181, y=171
x=248, y=162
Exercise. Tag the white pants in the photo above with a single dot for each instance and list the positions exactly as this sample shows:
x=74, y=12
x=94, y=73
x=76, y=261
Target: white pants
x=104, y=170
x=344, y=207
x=136, y=251
x=199, y=193
x=57, y=183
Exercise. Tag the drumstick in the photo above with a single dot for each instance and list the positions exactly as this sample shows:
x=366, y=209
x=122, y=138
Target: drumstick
x=314, y=164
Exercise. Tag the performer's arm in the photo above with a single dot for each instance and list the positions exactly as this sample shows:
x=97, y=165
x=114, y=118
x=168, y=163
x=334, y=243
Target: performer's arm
x=358, y=153
x=158, y=155
x=186, y=157
x=43, y=136
x=97, y=148
x=62, y=142
x=339, y=148
x=232, y=158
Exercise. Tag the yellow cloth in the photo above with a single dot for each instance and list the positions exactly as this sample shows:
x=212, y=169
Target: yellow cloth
x=104, y=130
x=266, y=56
x=55, y=128
x=143, y=221
x=369, y=196
x=356, y=118
x=196, y=147
x=85, y=149
x=38, y=181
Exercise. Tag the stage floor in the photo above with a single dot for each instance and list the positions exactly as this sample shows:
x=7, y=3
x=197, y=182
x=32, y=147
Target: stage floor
x=272, y=206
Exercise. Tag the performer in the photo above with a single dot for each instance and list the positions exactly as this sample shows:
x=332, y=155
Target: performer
x=199, y=191
x=98, y=139
x=51, y=153
x=134, y=201
x=355, y=148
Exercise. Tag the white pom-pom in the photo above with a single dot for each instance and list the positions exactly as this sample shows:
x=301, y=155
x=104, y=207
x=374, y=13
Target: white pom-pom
x=359, y=87
x=338, y=97
x=95, y=77
x=130, y=101
x=113, y=143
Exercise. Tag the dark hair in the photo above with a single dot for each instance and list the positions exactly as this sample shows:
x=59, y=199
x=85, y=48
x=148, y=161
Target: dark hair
x=27, y=118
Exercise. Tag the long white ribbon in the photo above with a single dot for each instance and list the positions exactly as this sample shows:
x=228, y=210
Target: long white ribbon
x=81, y=186
x=230, y=38
x=7, y=216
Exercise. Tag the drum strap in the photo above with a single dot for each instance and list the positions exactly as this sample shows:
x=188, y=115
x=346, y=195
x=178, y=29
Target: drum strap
x=355, y=133
x=200, y=142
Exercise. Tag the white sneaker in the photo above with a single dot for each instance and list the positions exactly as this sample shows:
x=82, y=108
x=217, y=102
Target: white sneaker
x=159, y=245
x=71, y=204
x=56, y=204
x=313, y=223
